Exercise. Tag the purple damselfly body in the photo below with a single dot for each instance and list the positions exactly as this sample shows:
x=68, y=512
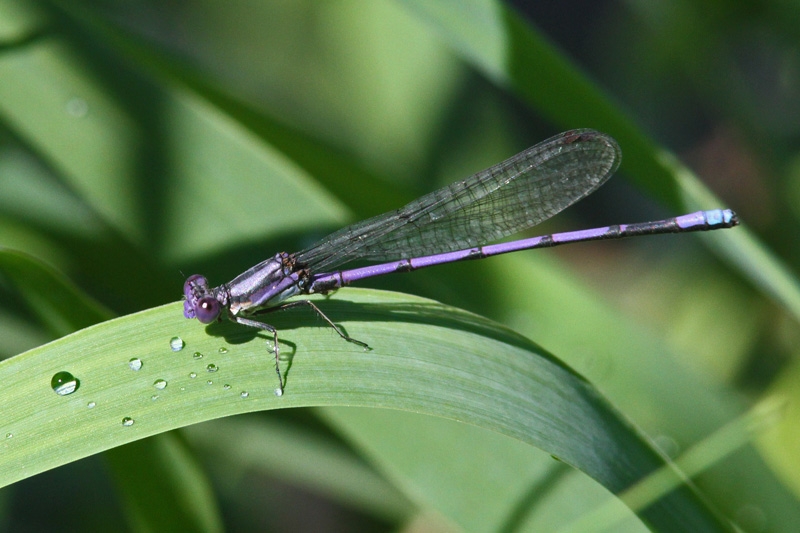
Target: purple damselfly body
x=451, y=224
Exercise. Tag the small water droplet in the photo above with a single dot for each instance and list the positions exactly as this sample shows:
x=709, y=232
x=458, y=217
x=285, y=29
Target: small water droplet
x=160, y=384
x=226, y=387
x=77, y=107
x=244, y=394
x=64, y=383
x=176, y=344
x=9, y=435
x=278, y=393
x=154, y=397
x=91, y=405
x=192, y=375
x=183, y=388
x=127, y=421
x=212, y=368
x=135, y=364
x=197, y=356
x=209, y=382
x=223, y=350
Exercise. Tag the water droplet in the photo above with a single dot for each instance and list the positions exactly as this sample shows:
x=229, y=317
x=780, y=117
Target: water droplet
x=183, y=388
x=9, y=435
x=278, y=393
x=64, y=383
x=226, y=387
x=160, y=384
x=135, y=364
x=127, y=421
x=197, y=356
x=192, y=375
x=154, y=397
x=212, y=368
x=209, y=382
x=77, y=107
x=176, y=344
x=244, y=394
x=223, y=350
x=91, y=405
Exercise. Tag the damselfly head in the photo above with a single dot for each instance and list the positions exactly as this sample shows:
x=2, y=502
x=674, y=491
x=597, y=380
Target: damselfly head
x=200, y=302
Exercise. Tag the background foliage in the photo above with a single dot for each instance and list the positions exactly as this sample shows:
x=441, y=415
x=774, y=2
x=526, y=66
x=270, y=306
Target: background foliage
x=140, y=142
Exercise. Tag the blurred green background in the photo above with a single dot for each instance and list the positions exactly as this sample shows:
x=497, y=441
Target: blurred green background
x=142, y=142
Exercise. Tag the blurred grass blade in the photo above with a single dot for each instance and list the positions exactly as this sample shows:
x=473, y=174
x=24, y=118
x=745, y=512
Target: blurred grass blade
x=448, y=466
x=299, y=457
x=694, y=461
x=508, y=50
x=742, y=247
x=118, y=140
x=162, y=487
x=59, y=304
x=329, y=166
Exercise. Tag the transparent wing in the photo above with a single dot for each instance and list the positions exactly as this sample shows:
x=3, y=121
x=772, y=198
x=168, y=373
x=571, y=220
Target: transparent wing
x=507, y=198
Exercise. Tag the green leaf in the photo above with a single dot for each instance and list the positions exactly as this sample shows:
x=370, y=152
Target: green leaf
x=58, y=303
x=426, y=358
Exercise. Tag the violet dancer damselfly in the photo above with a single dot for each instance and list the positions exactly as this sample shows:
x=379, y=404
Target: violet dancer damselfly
x=451, y=224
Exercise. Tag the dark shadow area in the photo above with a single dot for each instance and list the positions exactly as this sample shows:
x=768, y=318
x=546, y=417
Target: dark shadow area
x=412, y=313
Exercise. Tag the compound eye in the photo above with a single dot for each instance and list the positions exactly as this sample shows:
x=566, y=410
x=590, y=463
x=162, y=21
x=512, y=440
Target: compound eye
x=207, y=309
x=193, y=281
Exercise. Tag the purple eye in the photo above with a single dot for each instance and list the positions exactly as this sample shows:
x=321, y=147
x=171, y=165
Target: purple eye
x=207, y=309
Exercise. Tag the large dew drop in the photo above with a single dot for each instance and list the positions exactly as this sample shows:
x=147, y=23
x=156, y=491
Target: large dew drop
x=176, y=344
x=64, y=383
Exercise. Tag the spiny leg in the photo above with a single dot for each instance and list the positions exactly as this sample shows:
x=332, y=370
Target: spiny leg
x=317, y=310
x=261, y=325
x=266, y=327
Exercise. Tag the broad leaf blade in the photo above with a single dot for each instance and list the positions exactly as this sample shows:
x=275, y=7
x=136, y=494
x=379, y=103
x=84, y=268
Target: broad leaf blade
x=427, y=358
